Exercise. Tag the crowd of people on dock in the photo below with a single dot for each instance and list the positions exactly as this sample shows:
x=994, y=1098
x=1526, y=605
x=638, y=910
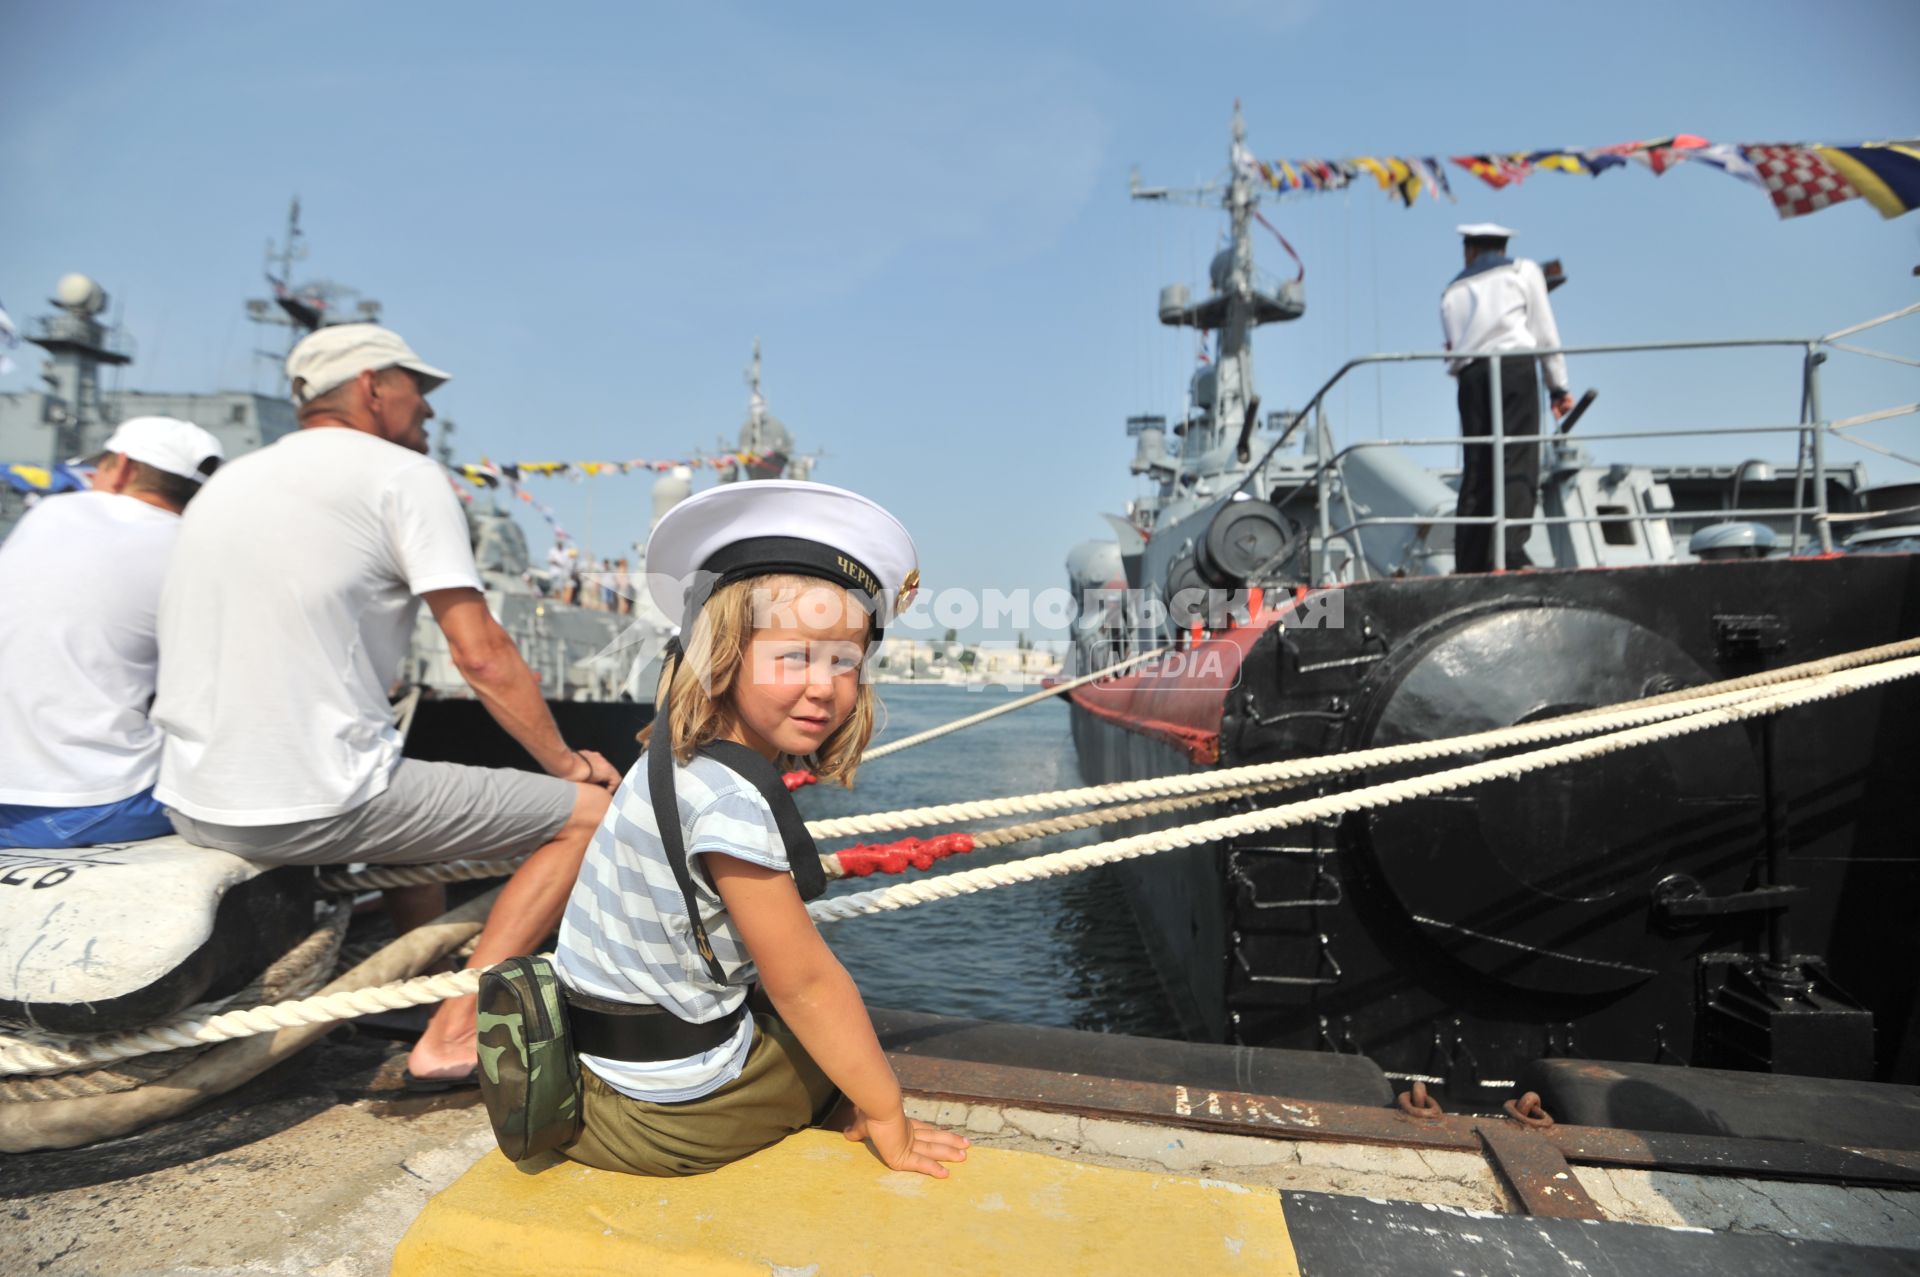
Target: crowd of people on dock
x=603, y=586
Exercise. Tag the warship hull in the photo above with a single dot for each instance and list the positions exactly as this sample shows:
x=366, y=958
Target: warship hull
x=1456, y=939
x=459, y=730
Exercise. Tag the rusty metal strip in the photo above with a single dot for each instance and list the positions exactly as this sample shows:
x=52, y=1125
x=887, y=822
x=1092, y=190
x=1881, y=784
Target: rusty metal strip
x=1537, y=1173
x=1232, y=1112
x=1239, y=1113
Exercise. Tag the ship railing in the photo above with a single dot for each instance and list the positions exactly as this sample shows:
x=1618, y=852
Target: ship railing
x=1812, y=430
x=104, y=339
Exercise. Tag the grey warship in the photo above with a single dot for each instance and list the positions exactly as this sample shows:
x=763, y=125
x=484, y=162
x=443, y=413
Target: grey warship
x=1735, y=899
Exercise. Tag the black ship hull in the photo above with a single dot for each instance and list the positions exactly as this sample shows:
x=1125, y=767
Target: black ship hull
x=1455, y=939
x=459, y=730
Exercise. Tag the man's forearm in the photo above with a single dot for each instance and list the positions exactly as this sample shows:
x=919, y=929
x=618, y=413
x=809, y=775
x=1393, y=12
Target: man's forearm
x=511, y=694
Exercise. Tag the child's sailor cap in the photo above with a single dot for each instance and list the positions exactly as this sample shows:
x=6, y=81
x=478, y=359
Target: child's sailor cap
x=766, y=526
x=1484, y=230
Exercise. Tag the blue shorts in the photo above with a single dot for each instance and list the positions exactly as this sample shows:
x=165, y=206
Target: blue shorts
x=128, y=820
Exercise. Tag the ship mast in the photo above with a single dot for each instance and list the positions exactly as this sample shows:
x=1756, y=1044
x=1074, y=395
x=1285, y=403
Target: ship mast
x=756, y=402
x=1233, y=395
x=1226, y=407
x=303, y=309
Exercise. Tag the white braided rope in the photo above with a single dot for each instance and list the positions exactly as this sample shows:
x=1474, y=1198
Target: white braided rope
x=383, y=876
x=1785, y=674
x=935, y=733
x=25, y=1057
x=1586, y=722
x=967, y=881
x=297, y=972
x=424, y=989
x=1007, y=835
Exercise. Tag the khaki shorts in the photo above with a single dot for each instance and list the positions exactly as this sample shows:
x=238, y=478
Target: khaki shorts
x=428, y=812
x=780, y=1090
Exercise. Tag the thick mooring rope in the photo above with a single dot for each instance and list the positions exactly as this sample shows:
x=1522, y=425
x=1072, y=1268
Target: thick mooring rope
x=382, y=876
x=1752, y=703
x=1058, y=689
x=295, y=973
x=1586, y=722
x=1034, y=868
x=1582, y=722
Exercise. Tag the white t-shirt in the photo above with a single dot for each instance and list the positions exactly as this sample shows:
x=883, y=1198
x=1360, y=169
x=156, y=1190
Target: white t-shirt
x=286, y=617
x=80, y=580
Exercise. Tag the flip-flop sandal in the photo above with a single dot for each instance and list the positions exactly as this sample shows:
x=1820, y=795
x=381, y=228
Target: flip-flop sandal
x=433, y=1085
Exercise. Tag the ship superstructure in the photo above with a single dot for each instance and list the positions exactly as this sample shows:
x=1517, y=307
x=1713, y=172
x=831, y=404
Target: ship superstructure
x=1720, y=899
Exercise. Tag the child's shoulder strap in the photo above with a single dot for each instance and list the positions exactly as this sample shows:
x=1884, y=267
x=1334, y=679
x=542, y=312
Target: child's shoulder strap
x=803, y=858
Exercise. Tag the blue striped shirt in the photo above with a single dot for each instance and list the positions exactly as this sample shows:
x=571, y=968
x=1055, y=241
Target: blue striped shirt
x=625, y=934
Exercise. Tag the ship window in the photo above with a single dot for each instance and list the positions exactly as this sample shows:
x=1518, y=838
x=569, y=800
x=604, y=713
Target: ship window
x=1615, y=527
x=237, y=414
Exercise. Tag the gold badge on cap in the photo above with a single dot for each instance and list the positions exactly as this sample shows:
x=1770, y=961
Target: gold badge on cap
x=908, y=588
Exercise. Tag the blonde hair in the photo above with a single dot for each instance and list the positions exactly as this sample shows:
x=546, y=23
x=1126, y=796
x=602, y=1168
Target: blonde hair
x=700, y=683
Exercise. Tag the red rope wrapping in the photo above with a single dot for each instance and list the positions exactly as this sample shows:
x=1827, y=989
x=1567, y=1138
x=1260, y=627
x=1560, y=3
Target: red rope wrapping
x=894, y=857
x=794, y=780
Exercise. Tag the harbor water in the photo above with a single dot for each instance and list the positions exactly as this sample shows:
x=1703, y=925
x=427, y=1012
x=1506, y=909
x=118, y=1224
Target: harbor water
x=1062, y=952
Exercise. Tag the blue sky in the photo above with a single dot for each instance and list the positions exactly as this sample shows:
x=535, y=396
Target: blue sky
x=588, y=212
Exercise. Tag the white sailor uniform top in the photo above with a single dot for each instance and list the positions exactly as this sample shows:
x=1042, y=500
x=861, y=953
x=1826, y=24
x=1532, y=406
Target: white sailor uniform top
x=1500, y=304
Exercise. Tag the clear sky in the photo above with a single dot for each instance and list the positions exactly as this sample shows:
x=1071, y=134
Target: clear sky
x=588, y=212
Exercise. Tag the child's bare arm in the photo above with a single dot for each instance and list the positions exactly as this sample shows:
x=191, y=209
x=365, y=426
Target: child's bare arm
x=818, y=1000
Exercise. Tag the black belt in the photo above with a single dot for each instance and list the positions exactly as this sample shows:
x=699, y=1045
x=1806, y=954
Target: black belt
x=640, y=1034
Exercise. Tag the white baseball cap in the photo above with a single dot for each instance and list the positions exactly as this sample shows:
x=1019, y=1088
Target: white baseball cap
x=336, y=354
x=165, y=443
x=761, y=526
x=1484, y=230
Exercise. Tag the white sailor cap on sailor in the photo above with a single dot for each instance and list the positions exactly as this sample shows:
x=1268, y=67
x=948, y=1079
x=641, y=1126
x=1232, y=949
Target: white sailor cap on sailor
x=1484, y=230
x=763, y=526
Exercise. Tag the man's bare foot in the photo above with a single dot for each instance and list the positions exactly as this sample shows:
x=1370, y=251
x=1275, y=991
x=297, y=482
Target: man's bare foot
x=437, y=1058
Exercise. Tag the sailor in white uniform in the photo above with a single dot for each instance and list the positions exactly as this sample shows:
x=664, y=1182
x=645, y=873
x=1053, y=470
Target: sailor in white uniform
x=1499, y=304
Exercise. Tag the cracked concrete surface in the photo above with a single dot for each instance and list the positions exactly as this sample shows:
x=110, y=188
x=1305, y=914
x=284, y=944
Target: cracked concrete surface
x=318, y=1168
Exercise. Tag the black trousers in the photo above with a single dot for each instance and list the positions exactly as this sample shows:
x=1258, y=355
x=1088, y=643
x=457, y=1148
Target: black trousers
x=1520, y=415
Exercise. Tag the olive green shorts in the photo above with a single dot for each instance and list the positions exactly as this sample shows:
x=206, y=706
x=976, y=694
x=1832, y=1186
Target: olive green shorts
x=780, y=1090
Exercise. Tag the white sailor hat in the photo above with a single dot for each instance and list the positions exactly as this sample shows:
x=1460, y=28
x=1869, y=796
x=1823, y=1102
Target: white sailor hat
x=757, y=527
x=1484, y=230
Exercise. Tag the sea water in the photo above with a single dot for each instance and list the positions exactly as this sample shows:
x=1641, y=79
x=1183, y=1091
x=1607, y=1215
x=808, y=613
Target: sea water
x=1062, y=951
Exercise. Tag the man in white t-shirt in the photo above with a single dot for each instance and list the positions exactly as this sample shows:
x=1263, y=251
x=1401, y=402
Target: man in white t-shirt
x=81, y=575
x=286, y=618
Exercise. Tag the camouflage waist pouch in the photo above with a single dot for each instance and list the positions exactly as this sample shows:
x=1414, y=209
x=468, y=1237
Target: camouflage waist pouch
x=529, y=1074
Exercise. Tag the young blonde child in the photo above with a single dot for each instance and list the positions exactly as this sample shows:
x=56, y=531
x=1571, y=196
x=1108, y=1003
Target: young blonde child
x=694, y=887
